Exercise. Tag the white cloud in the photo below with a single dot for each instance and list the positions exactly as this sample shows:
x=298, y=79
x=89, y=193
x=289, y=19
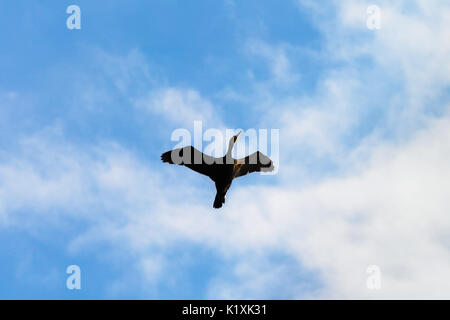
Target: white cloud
x=410, y=48
x=179, y=106
x=393, y=214
x=276, y=58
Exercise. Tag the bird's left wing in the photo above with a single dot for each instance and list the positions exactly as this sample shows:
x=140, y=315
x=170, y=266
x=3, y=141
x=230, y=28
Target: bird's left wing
x=193, y=159
x=255, y=162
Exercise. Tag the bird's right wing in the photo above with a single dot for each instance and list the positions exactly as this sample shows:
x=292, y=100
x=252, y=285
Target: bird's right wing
x=193, y=159
x=257, y=161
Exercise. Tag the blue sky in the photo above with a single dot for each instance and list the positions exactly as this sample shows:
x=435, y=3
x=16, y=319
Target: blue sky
x=85, y=115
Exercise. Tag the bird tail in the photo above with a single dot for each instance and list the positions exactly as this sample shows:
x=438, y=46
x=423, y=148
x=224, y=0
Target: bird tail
x=219, y=200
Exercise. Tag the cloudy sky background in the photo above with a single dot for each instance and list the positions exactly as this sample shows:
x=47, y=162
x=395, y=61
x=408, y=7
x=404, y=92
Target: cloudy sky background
x=364, y=174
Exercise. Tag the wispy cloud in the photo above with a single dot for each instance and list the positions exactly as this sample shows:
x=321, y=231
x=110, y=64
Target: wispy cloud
x=180, y=106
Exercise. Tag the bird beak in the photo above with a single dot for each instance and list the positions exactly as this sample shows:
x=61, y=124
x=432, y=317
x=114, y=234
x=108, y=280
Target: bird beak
x=238, y=134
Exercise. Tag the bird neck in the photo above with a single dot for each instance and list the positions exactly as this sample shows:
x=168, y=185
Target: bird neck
x=230, y=149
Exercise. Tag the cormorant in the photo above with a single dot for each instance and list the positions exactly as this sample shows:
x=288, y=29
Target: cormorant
x=221, y=170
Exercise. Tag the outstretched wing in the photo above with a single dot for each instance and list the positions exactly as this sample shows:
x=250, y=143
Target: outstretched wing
x=193, y=159
x=255, y=162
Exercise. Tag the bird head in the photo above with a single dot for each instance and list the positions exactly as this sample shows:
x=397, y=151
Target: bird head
x=232, y=142
x=236, y=136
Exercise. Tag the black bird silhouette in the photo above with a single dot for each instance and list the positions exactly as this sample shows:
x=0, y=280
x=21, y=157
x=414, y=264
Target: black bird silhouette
x=221, y=170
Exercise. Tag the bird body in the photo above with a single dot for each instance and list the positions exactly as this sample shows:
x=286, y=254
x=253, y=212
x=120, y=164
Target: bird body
x=223, y=179
x=221, y=170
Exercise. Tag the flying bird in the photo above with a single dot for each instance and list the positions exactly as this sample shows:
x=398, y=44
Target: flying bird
x=221, y=170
